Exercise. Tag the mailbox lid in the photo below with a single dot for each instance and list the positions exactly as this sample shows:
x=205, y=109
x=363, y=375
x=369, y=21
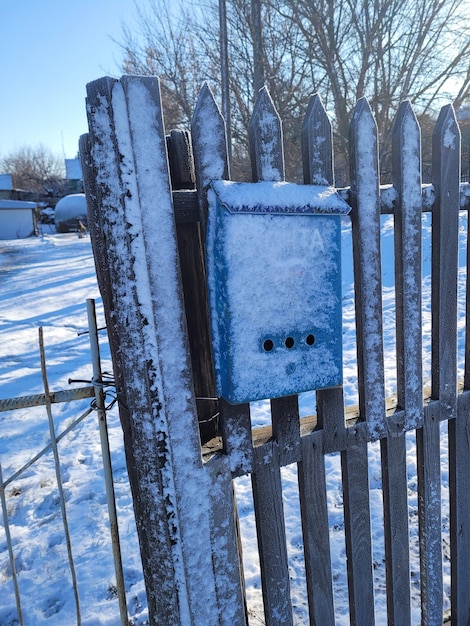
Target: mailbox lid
x=279, y=197
x=274, y=278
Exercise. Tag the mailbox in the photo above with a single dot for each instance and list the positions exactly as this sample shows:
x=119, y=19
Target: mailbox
x=274, y=284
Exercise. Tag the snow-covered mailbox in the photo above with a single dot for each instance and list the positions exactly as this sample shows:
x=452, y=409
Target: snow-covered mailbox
x=274, y=282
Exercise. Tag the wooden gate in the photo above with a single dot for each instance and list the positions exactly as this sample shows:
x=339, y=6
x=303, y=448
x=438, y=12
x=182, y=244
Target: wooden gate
x=148, y=224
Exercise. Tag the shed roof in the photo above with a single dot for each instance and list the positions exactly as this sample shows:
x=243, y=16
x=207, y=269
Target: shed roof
x=6, y=205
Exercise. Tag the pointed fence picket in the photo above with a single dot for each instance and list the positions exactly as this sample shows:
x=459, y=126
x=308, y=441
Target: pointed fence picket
x=185, y=507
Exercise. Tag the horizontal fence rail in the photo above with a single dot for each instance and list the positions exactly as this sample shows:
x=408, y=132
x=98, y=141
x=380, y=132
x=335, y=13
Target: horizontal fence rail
x=56, y=397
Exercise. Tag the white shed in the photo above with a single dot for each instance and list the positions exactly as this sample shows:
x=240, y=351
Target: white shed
x=17, y=219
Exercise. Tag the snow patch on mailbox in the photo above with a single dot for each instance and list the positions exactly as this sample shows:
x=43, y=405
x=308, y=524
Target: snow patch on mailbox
x=274, y=281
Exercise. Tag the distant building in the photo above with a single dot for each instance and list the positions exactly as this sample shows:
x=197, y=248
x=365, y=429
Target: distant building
x=17, y=219
x=74, y=176
x=6, y=186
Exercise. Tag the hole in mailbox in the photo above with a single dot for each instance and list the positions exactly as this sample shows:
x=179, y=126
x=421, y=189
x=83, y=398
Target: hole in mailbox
x=310, y=340
x=268, y=345
x=289, y=342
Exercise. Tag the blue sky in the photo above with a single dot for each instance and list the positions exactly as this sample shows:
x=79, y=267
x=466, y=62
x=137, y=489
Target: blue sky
x=49, y=51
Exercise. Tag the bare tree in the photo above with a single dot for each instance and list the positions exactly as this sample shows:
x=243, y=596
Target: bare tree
x=387, y=50
x=167, y=45
x=35, y=169
x=182, y=47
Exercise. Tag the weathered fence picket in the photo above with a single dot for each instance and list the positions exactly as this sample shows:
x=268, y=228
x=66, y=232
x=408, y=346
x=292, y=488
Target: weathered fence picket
x=407, y=223
x=317, y=158
x=172, y=501
x=149, y=229
x=267, y=163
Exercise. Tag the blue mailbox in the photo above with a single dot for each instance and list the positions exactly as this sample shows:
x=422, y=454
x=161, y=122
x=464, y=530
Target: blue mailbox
x=274, y=283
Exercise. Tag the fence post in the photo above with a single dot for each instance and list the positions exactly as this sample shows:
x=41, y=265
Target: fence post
x=173, y=491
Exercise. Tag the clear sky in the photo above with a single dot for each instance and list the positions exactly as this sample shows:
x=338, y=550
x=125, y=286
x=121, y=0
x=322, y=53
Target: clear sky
x=49, y=51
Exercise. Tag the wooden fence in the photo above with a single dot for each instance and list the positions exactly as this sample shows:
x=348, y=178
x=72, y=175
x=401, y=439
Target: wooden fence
x=148, y=225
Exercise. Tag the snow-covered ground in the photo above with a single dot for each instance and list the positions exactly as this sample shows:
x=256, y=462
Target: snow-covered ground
x=45, y=282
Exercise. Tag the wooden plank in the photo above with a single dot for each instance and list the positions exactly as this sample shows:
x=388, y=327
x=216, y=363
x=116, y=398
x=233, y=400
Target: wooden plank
x=354, y=466
x=235, y=426
x=231, y=605
x=388, y=197
x=429, y=512
x=210, y=149
x=445, y=225
x=406, y=173
x=169, y=481
x=317, y=145
x=186, y=206
x=459, y=455
x=444, y=276
x=396, y=533
x=286, y=428
x=467, y=303
x=193, y=276
x=267, y=163
x=211, y=163
x=265, y=134
x=270, y=529
x=365, y=201
x=315, y=528
x=446, y=179
x=161, y=593
x=331, y=419
x=317, y=158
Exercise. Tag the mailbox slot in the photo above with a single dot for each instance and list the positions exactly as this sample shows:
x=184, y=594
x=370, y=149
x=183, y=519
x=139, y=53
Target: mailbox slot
x=274, y=282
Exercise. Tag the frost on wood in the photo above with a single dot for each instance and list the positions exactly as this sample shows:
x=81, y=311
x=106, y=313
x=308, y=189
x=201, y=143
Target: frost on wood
x=265, y=131
x=365, y=199
x=173, y=512
x=407, y=182
x=446, y=181
x=209, y=147
x=208, y=135
x=317, y=145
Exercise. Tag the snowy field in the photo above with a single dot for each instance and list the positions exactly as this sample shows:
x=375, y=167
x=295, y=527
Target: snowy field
x=45, y=282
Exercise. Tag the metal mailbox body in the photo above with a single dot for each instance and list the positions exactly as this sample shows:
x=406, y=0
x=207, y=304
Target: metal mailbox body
x=274, y=282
